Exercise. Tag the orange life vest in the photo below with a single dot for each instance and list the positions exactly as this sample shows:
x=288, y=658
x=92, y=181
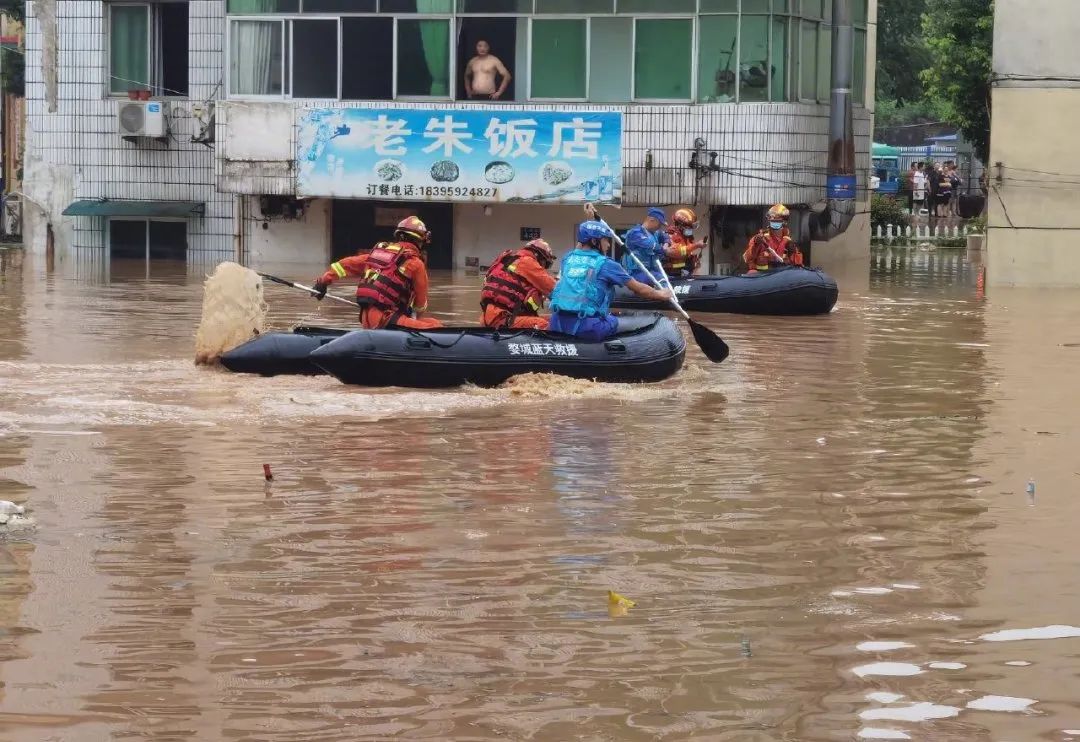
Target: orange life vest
x=507, y=290
x=384, y=283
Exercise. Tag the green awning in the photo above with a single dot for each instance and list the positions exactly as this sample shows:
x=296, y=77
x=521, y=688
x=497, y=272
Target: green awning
x=105, y=207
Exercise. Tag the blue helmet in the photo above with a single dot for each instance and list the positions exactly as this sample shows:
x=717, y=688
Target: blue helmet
x=593, y=230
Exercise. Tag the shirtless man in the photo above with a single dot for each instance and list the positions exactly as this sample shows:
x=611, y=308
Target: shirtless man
x=480, y=74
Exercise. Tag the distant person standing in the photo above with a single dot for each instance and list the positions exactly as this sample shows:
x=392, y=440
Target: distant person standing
x=953, y=174
x=911, y=186
x=944, y=191
x=918, y=189
x=485, y=74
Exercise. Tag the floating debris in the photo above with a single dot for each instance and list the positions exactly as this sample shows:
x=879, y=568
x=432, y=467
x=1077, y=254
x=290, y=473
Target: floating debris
x=618, y=605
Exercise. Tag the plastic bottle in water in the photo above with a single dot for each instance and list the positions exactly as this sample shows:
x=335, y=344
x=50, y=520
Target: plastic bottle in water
x=1031, y=491
x=606, y=182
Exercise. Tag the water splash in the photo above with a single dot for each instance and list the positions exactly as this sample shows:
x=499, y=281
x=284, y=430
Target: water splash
x=233, y=311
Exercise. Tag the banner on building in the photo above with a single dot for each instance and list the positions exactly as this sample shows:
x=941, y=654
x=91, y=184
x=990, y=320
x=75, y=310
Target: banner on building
x=488, y=156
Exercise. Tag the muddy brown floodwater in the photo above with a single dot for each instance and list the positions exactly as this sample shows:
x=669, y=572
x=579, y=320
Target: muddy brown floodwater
x=828, y=537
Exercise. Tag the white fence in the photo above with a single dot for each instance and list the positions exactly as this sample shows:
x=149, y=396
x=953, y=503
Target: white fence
x=922, y=232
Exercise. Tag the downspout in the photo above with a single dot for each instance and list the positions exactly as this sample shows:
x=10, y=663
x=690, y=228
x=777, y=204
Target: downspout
x=840, y=180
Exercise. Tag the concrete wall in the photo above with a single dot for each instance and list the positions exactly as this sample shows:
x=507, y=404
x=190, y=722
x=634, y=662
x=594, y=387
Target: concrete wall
x=73, y=150
x=294, y=241
x=1036, y=38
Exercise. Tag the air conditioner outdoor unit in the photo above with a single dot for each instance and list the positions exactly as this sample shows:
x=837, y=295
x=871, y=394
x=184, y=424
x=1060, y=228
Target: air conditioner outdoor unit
x=142, y=119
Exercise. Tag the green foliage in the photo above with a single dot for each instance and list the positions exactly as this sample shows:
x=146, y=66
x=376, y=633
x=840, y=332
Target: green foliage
x=959, y=36
x=901, y=50
x=13, y=62
x=885, y=210
x=978, y=224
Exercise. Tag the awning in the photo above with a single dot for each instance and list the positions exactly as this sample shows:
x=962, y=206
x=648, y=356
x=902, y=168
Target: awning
x=105, y=207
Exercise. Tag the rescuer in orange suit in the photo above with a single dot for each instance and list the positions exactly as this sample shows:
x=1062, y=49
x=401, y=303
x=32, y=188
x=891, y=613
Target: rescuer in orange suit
x=393, y=288
x=773, y=247
x=516, y=287
x=682, y=255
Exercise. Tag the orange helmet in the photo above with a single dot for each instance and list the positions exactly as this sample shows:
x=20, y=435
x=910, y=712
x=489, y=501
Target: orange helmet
x=412, y=227
x=542, y=250
x=685, y=218
x=778, y=213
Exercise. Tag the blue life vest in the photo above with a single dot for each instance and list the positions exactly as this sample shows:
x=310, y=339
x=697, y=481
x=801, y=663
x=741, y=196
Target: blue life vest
x=646, y=246
x=579, y=290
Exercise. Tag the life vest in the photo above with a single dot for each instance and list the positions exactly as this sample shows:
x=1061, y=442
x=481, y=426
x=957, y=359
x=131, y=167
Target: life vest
x=384, y=283
x=507, y=290
x=647, y=253
x=579, y=290
x=765, y=255
x=687, y=261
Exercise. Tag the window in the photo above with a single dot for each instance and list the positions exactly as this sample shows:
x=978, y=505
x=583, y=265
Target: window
x=813, y=8
x=257, y=58
x=488, y=7
x=719, y=6
x=824, y=70
x=559, y=68
x=423, y=58
x=338, y=6
x=656, y=6
x=662, y=65
x=367, y=44
x=859, y=73
x=148, y=48
x=808, y=55
x=147, y=239
x=779, y=55
x=575, y=7
x=416, y=6
x=754, y=59
x=315, y=59
x=611, y=60
x=717, y=39
x=253, y=7
x=755, y=6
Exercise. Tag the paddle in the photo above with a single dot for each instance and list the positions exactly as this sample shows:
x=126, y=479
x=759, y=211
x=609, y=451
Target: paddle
x=308, y=289
x=711, y=344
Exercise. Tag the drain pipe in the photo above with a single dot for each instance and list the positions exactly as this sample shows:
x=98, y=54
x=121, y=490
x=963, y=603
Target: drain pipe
x=840, y=182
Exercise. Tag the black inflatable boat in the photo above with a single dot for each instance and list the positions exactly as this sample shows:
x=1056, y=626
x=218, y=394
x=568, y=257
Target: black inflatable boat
x=787, y=291
x=649, y=347
x=276, y=353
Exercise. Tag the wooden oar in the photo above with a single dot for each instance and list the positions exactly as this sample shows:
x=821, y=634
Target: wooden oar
x=308, y=289
x=711, y=344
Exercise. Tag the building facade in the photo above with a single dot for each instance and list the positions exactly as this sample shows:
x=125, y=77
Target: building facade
x=300, y=130
x=1034, y=174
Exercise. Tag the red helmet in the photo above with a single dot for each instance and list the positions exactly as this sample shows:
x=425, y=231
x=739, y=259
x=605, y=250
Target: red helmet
x=542, y=250
x=414, y=230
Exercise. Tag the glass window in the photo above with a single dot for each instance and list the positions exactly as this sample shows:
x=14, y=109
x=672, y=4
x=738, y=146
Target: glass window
x=315, y=59
x=491, y=7
x=858, y=12
x=754, y=59
x=127, y=239
x=172, y=39
x=339, y=6
x=168, y=240
x=367, y=66
x=558, y=59
x=812, y=8
x=755, y=6
x=416, y=6
x=779, y=60
x=808, y=60
x=717, y=36
x=253, y=7
x=611, y=61
x=423, y=58
x=859, y=73
x=719, y=6
x=256, y=50
x=824, y=62
x=575, y=7
x=669, y=7
x=662, y=58
x=780, y=6
x=129, y=48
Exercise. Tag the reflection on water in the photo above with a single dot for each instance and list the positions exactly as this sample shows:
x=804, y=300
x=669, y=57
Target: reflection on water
x=827, y=537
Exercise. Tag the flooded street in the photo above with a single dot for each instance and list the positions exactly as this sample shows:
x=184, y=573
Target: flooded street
x=828, y=537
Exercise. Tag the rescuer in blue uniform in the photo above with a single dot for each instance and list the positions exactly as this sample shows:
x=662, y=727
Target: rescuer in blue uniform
x=582, y=297
x=647, y=241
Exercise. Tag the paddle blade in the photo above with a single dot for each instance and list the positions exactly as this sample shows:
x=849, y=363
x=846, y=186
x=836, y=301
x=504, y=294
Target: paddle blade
x=711, y=344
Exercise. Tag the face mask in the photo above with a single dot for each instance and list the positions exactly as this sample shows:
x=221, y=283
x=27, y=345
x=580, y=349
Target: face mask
x=688, y=233
x=776, y=225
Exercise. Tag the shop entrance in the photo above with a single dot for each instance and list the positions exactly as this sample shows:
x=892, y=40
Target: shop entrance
x=357, y=225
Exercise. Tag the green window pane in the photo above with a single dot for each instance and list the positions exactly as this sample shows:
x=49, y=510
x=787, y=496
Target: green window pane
x=780, y=6
x=656, y=6
x=808, y=60
x=491, y=7
x=423, y=58
x=859, y=73
x=575, y=7
x=778, y=84
x=824, y=61
x=662, y=58
x=129, y=48
x=416, y=6
x=754, y=59
x=812, y=8
x=255, y=64
x=254, y=7
x=611, y=60
x=858, y=10
x=719, y=6
x=339, y=6
x=717, y=35
x=558, y=59
x=755, y=6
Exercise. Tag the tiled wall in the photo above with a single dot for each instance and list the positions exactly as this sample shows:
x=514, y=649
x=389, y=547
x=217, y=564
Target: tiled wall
x=82, y=133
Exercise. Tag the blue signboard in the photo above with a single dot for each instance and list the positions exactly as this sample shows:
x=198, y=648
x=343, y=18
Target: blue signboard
x=508, y=156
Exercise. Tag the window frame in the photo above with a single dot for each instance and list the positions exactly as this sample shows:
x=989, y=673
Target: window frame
x=289, y=39
x=588, y=57
x=154, y=59
x=146, y=233
x=633, y=58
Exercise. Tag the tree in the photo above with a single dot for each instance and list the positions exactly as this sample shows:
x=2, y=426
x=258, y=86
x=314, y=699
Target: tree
x=960, y=39
x=902, y=52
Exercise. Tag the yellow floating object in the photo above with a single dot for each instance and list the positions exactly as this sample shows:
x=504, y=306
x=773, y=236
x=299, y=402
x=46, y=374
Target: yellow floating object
x=615, y=599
